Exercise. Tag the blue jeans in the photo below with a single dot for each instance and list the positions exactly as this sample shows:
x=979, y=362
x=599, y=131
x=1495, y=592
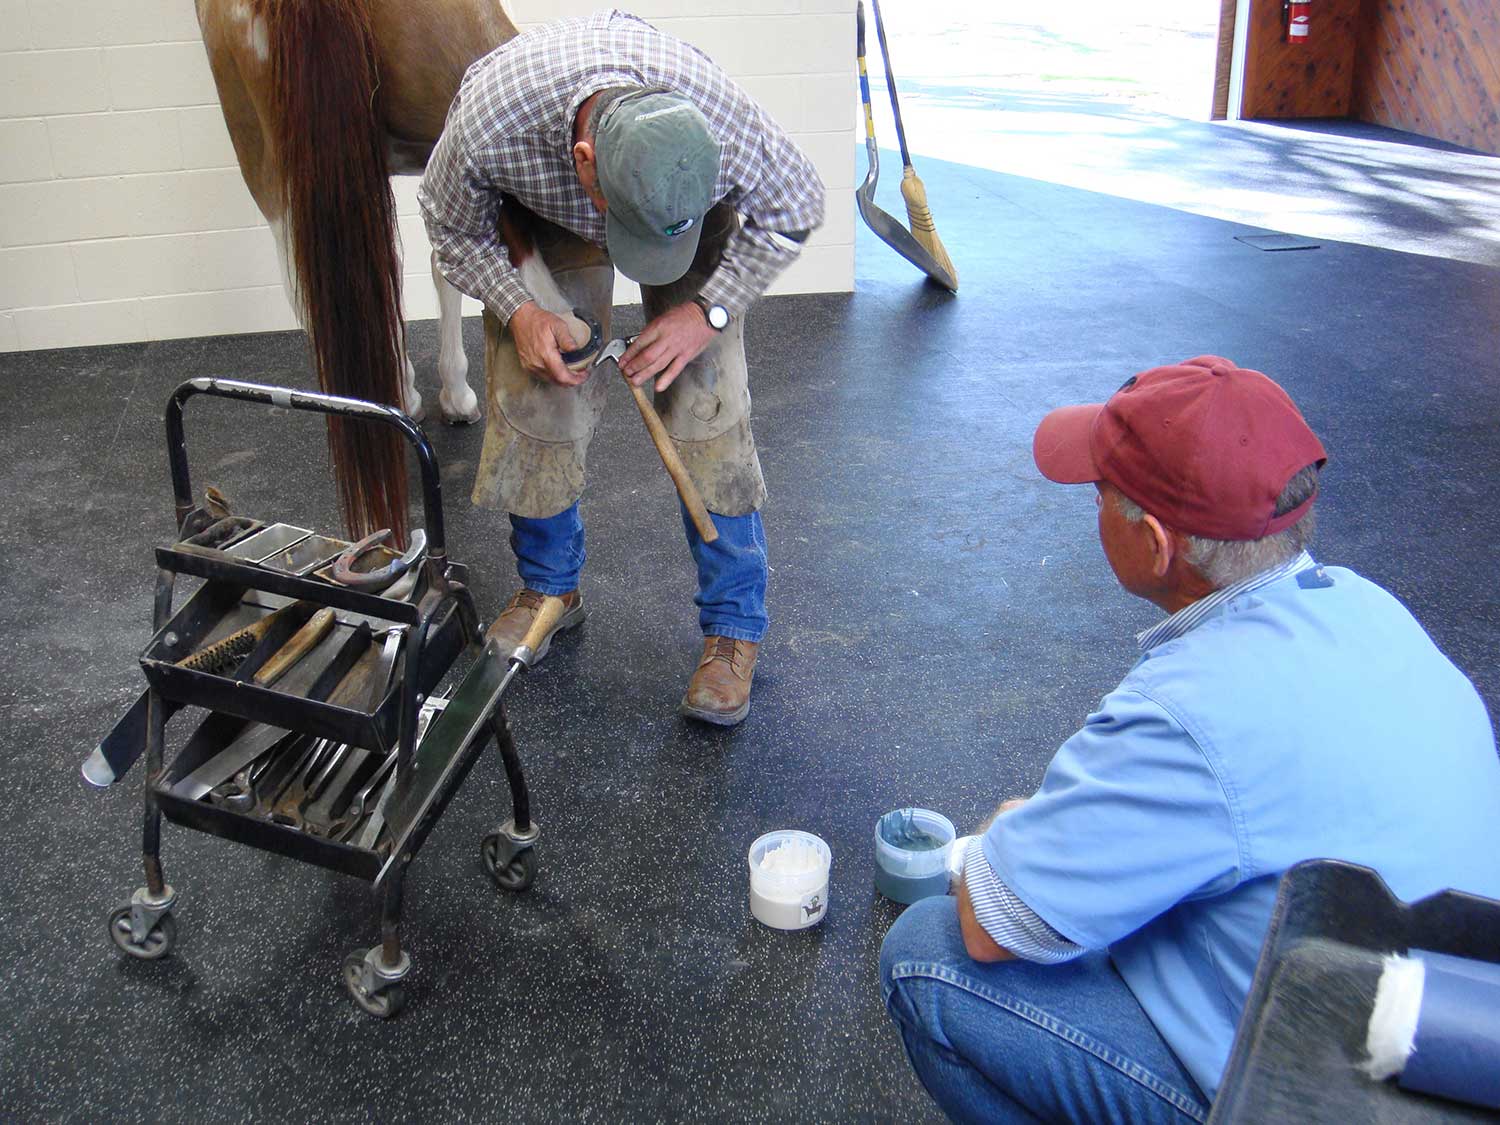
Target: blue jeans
x=1014, y=1041
x=732, y=571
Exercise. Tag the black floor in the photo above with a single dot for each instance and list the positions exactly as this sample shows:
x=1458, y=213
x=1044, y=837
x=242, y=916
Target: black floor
x=943, y=618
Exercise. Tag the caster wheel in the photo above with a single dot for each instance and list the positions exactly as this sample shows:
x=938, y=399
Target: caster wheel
x=517, y=875
x=383, y=1004
x=158, y=943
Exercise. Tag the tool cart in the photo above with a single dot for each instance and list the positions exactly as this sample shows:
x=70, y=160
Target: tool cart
x=310, y=664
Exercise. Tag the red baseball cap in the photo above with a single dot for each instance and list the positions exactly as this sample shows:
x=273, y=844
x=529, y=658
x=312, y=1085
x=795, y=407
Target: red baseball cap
x=1204, y=446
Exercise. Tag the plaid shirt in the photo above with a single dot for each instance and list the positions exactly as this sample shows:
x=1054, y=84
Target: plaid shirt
x=510, y=130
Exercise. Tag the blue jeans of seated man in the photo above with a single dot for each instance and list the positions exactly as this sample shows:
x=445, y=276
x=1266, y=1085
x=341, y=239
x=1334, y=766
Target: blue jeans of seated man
x=1016, y=1041
x=731, y=596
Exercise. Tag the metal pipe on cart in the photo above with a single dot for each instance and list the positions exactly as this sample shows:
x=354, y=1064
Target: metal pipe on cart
x=522, y=656
x=411, y=694
x=289, y=399
x=520, y=796
x=161, y=609
x=156, y=736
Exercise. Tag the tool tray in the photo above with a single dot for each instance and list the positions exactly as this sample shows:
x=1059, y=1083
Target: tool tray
x=244, y=595
x=236, y=594
x=215, y=732
x=442, y=759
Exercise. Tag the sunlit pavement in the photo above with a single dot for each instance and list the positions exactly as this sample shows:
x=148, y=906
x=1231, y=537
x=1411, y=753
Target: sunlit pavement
x=1092, y=95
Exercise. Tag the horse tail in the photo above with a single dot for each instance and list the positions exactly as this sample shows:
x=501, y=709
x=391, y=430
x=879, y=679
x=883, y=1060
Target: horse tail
x=340, y=215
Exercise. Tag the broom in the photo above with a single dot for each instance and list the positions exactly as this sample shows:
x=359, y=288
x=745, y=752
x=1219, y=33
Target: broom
x=939, y=267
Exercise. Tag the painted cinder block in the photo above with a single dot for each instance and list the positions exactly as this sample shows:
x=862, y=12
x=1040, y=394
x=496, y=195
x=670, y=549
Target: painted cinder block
x=179, y=202
x=418, y=302
x=833, y=156
x=780, y=96
x=10, y=339
x=209, y=261
x=230, y=311
x=117, y=268
x=64, y=326
x=830, y=101
x=15, y=28
x=821, y=269
x=102, y=144
x=415, y=249
x=236, y=259
x=405, y=191
x=24, y=152
x=159, y=75
x=111, y=22
x=205, y=138
x=796, y=44
x=120, y=206
x=52, y=211
x=36, y=275
x=38, y=83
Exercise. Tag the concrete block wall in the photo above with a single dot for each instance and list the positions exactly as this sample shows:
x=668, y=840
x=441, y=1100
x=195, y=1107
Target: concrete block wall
x=123, y=216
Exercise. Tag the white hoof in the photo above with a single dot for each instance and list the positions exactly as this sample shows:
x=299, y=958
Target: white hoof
x=415, y=408
x=462, y=412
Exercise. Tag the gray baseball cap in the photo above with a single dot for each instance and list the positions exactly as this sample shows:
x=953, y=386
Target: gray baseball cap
x=658, y=163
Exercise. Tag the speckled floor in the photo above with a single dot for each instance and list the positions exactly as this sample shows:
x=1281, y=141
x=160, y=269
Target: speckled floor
x=943, y=618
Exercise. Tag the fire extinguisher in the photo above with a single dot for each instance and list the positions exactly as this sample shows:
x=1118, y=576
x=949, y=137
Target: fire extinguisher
x=1297, y=22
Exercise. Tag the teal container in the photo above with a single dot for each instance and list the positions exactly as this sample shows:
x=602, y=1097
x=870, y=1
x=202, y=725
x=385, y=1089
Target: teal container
x=912, y=848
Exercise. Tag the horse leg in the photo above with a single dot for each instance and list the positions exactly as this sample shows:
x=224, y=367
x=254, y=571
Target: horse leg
x=411, y=398
x=457, y=401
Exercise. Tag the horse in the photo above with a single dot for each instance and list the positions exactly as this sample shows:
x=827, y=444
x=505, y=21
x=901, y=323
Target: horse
x=325, y=100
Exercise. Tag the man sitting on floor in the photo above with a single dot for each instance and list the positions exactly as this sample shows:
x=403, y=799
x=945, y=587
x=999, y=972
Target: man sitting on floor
x=1283, y=711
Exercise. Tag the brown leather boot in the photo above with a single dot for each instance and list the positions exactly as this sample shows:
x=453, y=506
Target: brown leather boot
x=516, y=618
x=719, y=691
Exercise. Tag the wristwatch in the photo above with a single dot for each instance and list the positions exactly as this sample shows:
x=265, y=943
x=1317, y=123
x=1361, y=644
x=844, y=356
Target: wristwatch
x=716, y=315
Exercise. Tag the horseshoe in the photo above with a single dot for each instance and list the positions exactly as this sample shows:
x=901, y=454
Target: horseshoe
x=345, y=574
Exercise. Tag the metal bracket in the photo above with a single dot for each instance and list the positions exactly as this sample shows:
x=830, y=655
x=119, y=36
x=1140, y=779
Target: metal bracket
x=510, y=842
x=146, y=911
x=377, y=976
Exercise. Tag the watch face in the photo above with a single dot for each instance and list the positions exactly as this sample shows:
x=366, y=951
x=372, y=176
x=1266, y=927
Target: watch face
x=718, y=317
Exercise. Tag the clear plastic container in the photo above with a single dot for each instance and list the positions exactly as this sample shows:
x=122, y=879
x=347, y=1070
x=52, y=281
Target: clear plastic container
x=789, y=879
x=912, y=850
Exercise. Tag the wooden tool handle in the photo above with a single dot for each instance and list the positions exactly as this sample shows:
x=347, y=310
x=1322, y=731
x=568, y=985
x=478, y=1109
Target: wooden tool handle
x=300, y=644
x=546, y=617
x=675, y=468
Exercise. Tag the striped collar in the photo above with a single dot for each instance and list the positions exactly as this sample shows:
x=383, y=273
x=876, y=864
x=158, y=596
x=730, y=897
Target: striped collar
x=1189, y=616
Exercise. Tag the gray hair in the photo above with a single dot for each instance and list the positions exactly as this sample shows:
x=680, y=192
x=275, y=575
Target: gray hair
x=605, y=101
x=1223, y=562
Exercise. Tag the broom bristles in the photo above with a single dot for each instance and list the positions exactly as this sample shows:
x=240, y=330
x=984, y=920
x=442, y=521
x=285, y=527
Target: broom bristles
x=919, y=218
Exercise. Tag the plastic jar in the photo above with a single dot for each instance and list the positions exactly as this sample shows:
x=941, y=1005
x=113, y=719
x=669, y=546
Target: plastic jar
x=789, y=879
x=912, y=847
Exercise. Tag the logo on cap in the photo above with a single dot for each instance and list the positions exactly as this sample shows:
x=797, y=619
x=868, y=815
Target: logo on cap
x=679, y=227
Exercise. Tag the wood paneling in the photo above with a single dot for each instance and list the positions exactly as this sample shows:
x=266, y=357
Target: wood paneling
x=1222, y=61
x=1314, y=79
x=1431, y=67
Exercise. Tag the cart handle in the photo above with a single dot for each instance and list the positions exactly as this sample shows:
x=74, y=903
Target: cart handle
x=291, y=399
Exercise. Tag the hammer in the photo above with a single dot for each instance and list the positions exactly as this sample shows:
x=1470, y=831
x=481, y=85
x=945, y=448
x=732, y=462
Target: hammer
x=612, y=352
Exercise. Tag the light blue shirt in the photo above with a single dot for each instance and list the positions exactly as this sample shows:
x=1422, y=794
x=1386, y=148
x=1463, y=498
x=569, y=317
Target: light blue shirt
x=1306, y=717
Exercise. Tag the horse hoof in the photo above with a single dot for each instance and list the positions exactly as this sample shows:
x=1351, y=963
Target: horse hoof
x=412, y=405
x=456, y=415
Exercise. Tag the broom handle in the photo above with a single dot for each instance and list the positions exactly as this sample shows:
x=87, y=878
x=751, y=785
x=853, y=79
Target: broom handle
x=890, y=83
x=864, y=77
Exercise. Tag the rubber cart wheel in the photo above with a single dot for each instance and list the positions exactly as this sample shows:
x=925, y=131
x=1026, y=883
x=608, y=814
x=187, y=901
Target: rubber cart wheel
x=517, y=875
x=384, y=1004
x=158, y=943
